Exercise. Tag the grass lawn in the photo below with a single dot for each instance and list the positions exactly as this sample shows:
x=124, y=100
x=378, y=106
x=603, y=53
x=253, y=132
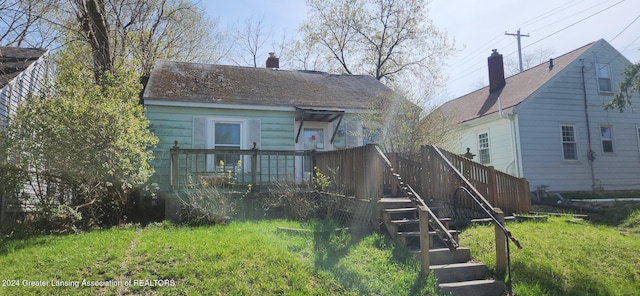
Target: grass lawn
x=563, y=256
x=568, y=257
x=244, y=258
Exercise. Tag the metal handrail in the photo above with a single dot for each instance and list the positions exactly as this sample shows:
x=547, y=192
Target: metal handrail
x=506, y=232
x=463, y=179
x=437, y=225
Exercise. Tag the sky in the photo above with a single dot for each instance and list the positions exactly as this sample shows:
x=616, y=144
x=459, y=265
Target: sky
x=480, y=26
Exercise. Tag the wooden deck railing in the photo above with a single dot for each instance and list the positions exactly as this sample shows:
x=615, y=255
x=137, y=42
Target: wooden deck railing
x=230, y=168
x=501, y=190
x=356, y=172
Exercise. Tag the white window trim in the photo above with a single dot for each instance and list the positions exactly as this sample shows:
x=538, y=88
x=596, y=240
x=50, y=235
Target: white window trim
x=480, y=148
x=613, y=147
x=328, y=132
x=244, y=123
x=575, y=138
x=598, y=66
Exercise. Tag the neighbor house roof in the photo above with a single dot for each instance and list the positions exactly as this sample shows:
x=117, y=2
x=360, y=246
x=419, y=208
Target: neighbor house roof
x=206, y=83
x=517, y=88
x=14, y=60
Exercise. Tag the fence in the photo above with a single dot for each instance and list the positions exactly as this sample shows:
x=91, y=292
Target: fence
x=228, y=168
x=356, y=172
x=501, y=190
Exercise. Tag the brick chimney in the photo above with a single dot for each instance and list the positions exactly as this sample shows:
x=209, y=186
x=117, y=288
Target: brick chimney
x=272, y=61
x=496, y=71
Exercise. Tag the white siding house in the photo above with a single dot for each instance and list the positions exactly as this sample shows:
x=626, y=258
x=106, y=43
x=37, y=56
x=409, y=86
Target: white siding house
x=548, y=123
x=22, y=71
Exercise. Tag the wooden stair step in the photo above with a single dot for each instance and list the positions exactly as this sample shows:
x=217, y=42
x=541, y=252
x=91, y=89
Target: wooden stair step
x=417, y=233
x=443, y=256
x=404, y=221
x=394, y=200
x=459, y=272
x=474, y=288
x=401, y=210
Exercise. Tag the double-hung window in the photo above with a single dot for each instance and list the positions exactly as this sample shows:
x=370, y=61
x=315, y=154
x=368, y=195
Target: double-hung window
x=606, y=134
x=483, y=148
x=569, y=143
x=604, y=78
x=226, y=136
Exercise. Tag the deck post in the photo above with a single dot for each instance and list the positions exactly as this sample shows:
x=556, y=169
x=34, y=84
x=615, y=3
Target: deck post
x=175, y=166
x=394, y=182
x=254, y=165
x=424, y=177
x=424, y=239
x=493, y=186
x=501, y=246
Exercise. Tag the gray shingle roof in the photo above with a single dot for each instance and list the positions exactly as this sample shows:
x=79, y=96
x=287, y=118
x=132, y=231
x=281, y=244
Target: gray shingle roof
x=14, y=60
x=518, y=88
x=205, y=83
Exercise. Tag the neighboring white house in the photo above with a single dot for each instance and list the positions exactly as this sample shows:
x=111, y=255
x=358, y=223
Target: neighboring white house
x=22, y=71
x=548, y=123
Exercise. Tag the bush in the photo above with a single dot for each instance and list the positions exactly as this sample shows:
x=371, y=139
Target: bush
x=297, y=205
x=203, y=204
x=84, y=146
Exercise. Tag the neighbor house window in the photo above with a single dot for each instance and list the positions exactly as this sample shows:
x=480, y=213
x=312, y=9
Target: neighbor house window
x=483, y=148
x=638, y=130
x=604, y=78
x=606, y=134
x=569, y=146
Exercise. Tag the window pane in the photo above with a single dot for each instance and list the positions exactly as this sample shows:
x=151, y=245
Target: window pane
x=605, y=84
x=313, y=138
x=604, y=78
x=227, y=134
x=483, y=140
x=567, y=134
x=605, y=131
x=607, y=140
x=603, y=71
x=483, y=148
x=569, y=147
x=226, y=160
x=485, y=157
x=569, y=151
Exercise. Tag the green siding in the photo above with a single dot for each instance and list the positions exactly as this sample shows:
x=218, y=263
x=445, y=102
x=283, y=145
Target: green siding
x=170, y=124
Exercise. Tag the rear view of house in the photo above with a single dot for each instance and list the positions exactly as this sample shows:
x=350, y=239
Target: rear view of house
x=230, y=107
x=548, y=124
x=22, y=71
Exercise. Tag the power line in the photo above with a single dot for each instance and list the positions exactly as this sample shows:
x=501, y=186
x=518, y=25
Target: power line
x=625, y=28
x=571, y=14
x=571, y=25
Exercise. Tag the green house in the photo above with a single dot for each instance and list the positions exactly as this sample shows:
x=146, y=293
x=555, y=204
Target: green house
x=208, y=106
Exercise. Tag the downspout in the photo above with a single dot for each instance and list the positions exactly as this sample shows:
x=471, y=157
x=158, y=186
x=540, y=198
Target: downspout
x=514, y=144
x=516, y=154
x=591, y=155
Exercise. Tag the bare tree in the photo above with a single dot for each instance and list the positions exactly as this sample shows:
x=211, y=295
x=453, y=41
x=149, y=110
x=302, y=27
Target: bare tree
x=529, y=59
x=383, y=38
x=22, y=23
x=131, y=32
x=250, y=40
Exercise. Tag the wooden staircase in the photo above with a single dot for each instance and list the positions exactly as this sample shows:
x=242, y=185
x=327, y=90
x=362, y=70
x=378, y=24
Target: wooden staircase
x=456, y=273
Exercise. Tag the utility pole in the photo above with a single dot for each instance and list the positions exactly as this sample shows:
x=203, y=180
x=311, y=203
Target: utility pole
x=518, y=35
